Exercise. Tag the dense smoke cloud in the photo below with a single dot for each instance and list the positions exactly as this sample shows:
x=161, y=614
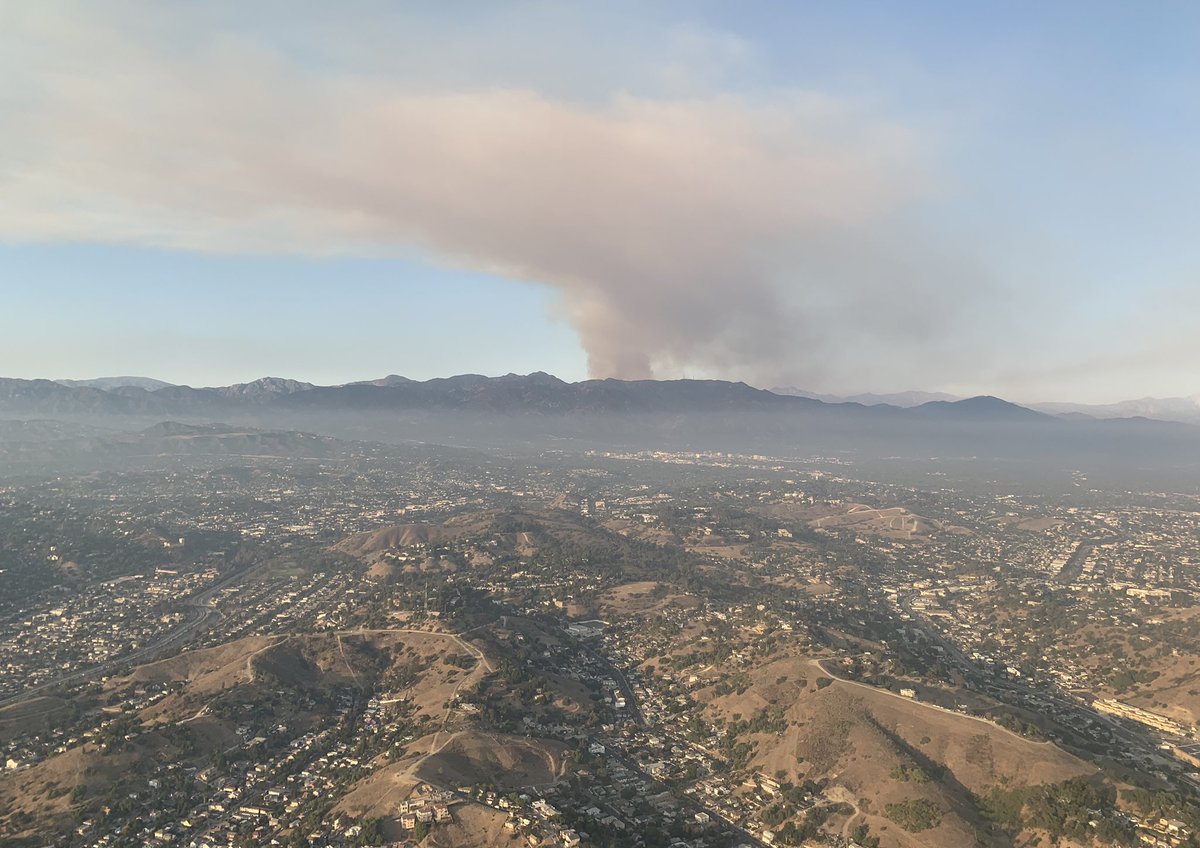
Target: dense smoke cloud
x=757, y=238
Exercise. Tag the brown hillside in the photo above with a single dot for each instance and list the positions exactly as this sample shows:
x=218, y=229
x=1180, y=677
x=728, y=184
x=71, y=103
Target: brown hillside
x=521, y=532
x=394, y=536
x=193, y=666
x=281, y=679
x=31, y=716
x=890, y=522
x=475, y=826
x=876, y=748
x=510, y=762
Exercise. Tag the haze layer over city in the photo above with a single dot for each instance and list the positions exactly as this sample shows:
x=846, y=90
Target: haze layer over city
x=624, y=425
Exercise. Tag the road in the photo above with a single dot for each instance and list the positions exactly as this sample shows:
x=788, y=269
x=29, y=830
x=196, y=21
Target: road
x=1073, y=567
x=973, y=673
x=615, y=750
x=631, y=700
x=200, y=613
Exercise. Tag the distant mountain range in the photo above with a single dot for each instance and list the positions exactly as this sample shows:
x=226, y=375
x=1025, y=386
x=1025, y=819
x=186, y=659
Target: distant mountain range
x=537, y=393
x=1183, y=409
x=147, y=383
x=539, y=410
x=903, y=399
x=464, y=386
x=67, y=445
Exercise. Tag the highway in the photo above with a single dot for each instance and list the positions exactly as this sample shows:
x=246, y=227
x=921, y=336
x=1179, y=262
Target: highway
x=986, y=681
x=199, y=614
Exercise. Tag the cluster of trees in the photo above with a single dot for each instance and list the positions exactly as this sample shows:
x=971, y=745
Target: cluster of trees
x=906, y=773
x=737, y=754
x=769, y=719
x=737, y=682
x=402, y=675
x=1127, y=679
x=862, y=836
x=809, y=827
x=1169, y=805
x=1020, y=726
x=1076, y=809
x=915, y=814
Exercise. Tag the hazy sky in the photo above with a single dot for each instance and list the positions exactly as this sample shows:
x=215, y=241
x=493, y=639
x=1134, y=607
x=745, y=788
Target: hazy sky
x=852, y=196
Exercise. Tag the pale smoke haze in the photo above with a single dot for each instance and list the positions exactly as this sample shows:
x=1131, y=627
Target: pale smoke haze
x=758, y=237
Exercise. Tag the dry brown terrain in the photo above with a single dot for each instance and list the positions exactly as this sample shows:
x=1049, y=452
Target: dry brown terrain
x=474, y=826
x=890, y=522
x=511, y=762
x=868, y=742
x=382, y=792
x=395, y=536
x=463, y=757
x=189, y=725
x=45, y=789
x=521, y=532
x=642, y=597
x=30, y=716
x=653, y=533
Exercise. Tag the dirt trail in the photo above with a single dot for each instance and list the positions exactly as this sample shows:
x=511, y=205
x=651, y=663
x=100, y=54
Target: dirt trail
x=345, y=659
x=842, y=795
x=250, y=677
x=482, y=664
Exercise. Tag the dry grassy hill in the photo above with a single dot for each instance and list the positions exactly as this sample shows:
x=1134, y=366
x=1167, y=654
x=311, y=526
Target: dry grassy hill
x=643, y=596
x=890, y=522
x=520, y=532
x=30, y=716
x=873, y=749
x=474, y=826
x=510, y=762
x=195, y=667
x=211, y=692
x=371, y=542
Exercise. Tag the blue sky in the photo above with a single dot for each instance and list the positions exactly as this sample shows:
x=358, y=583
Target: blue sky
x=212, y=319
x=977, y=198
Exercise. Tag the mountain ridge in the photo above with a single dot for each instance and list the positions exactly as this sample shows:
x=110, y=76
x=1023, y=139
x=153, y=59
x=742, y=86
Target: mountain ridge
x=1184, y=409
x=538, y=392
x=539, y=411
x=902, y=399
x=147, y=383
x=535, y=392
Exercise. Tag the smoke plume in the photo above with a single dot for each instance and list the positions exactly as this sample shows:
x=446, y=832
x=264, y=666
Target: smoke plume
x=758, y=238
